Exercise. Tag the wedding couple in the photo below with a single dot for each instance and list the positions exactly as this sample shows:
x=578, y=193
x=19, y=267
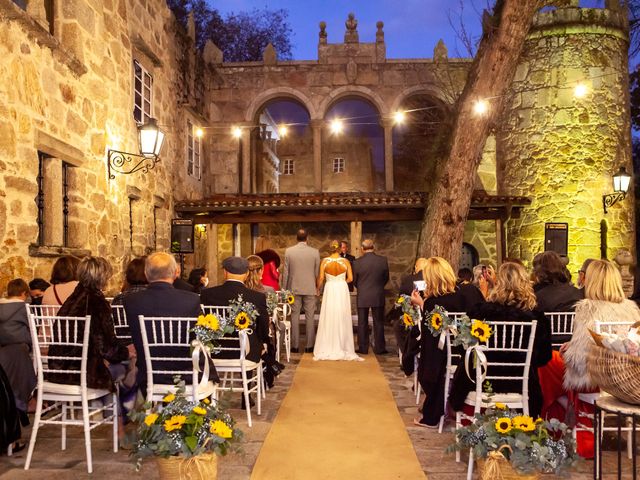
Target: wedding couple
x=304, y=274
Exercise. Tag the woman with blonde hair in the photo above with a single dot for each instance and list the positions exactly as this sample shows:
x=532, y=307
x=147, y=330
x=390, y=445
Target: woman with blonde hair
x=512, y=299
x=254, y=277
x=440, y=290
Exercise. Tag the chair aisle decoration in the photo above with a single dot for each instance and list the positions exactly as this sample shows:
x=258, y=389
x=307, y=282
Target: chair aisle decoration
x=184, y=436
x=279, y=308
x=411, y=316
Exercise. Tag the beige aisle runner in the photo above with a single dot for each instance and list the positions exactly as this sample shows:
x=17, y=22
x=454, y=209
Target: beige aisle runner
x=338, y=421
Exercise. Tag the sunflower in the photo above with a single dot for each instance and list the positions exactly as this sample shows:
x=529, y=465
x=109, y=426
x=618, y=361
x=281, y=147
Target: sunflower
x=199, y=410
x=221, y=429
x=201, y=321
x=291, y=299
x=539, y=421
x=480, y=330
x=169, y=398
x=407, y=320
x=174, y=423
x=150, y=419
x=436, y=321
x=503, y=425
x=500, y=406
x=524, y=423
x=206, y=401
x=400, y=300
x=242, y=321
x=212, y=322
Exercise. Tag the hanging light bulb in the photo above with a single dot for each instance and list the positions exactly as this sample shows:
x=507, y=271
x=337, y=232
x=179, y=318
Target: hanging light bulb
x=580, y=91
x=336, y=126
x=283, y=130
x=199, y=132
x=236, y=132
x=399, y=117
x=480, y=107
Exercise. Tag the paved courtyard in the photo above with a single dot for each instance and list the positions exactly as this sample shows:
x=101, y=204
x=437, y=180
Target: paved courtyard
x=49, y=462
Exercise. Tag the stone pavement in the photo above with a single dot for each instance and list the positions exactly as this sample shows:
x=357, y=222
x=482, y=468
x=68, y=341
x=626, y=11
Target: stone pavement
x=49, y=462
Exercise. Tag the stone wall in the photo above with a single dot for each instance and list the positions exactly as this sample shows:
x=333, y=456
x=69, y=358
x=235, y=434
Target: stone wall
x=561, y=150
x=70, y=96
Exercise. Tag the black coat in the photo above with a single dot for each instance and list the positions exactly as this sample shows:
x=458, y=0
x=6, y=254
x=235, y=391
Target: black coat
x=351, y=259
x=229, y=290
x=489, y=312
x=406, y=284
x=183, y=285
x=370, y=275
x=557, y=297
x=160, y=299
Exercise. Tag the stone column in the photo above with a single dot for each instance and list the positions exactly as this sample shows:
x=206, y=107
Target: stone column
x=387, y=125
x=316, y=127
x=355, y=239
x=501, y=246
x=53, y=223
x=212, y=251
x=245, y=152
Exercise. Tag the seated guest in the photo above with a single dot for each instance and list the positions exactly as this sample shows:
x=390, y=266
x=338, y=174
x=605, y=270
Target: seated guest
x=465, y=276
x=236, y=270
x=554, y=292
x=254, y=277
x=37, y=287
x=511, y=300
x=198, y=279
x=179, y=283
x=270, y=273
x=64, y=280
x=106, y=352
x=134, y=280
x=15, y=343
x=441, y=290
x=159, y=299
x=403, y=339
x=406, y=284
x=582, y=272
x=484, y=278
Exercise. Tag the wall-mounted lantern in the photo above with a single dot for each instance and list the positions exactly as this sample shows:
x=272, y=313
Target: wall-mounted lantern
x=621, y=181
x=150, y=139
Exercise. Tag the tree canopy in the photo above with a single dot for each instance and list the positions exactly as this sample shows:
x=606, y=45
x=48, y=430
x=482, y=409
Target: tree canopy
x=241, y=36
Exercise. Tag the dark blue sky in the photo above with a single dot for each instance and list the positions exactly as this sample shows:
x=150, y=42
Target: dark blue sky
x=412, y=27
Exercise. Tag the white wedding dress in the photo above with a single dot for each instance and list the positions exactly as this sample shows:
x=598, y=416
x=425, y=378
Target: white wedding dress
x=334, y=340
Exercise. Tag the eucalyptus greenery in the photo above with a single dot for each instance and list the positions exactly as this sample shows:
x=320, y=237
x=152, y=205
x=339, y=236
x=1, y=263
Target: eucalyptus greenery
x=279, y=297
x=543, y=446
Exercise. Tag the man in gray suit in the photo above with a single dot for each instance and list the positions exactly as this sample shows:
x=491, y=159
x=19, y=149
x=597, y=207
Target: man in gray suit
x=301, y=266
x=370, y=275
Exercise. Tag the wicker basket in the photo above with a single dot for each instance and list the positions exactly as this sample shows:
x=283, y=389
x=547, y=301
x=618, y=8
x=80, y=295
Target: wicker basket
x=202, y=467
x=616, y=373
x=497, y=467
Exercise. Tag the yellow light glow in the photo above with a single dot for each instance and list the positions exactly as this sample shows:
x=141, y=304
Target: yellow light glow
x=399, y=117
x=199, y=132
x=481, y=107
x=283, y=130
x=336, y=126
x=236, y=132
x=580, y=91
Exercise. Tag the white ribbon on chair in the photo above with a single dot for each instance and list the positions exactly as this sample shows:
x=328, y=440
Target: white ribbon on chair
x=199, y=347
x=443, y=335
x=478, y=351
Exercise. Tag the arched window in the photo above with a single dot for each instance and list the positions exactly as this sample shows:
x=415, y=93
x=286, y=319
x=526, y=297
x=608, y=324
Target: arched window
x=469, y=257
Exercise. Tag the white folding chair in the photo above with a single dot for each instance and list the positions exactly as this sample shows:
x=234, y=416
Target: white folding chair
x=280, y=317
x=42, y=310
x=49, y=333
x=512, y=337
x=450, y=370
x=561, y=327
x=120, y=323
x=228, y=368
x=167, y=339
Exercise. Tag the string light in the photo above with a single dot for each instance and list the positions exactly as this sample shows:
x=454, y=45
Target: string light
x=480, y=107
x=336, y=126
x=236, y=132
x=283, y=130
x=399, y=117
x=199, y=132
x=580, y=91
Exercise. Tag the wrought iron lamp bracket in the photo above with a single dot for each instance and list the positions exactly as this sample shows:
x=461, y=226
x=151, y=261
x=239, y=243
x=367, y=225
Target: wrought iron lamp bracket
x=116, y=161
x=611, y=199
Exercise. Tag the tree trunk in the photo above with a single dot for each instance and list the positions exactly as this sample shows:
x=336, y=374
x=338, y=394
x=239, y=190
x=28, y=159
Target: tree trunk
x=491, y=74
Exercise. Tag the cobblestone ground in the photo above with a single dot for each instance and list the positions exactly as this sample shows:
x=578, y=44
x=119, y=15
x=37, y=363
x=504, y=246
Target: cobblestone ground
x=49, y=462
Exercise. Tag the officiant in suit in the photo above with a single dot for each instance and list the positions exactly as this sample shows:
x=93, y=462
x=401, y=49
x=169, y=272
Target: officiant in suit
x=235, y=273
x=301, y=268
x=344, y=253
x=370, y=275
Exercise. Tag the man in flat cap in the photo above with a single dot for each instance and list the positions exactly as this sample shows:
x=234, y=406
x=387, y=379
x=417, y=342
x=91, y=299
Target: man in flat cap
x=236, y=270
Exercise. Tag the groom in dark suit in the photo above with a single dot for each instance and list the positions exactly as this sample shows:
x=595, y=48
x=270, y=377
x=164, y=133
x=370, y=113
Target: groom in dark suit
x=370, y=275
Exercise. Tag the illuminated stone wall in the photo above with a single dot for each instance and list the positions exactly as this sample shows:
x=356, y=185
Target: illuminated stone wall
x=562, y=151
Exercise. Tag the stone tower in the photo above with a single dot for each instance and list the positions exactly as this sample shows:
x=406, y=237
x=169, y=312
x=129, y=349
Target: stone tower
x=560, y=149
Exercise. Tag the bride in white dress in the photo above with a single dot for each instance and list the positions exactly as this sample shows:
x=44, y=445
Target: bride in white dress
x=334, y=340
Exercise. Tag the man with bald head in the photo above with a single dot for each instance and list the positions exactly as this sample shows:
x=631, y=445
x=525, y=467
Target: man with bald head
x=160, y=299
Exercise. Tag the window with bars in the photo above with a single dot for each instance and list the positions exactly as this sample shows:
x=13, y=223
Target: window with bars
x=52, y=201
x=287, y=166
x=194, y=150
x=338, y=165
x=142, y=93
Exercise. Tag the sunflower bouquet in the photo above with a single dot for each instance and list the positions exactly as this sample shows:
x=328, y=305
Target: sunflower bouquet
x=209, y=329
x=279, y=297
x=410, y=312
x=242, y=314
x=179, y=427
x=471, y=332
x=535, y=445
x=439, y=321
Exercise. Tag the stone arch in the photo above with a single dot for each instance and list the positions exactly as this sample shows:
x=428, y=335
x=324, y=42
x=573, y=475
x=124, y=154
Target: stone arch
x=419, y=90
x=278, y=92
x=352, y=91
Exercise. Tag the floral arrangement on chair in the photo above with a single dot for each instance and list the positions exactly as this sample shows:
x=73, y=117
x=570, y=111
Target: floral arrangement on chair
x=533, y=445
x=182, y=428
x=243, y=314
x=209, y=329
x=465, y=331
x=410, y=312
